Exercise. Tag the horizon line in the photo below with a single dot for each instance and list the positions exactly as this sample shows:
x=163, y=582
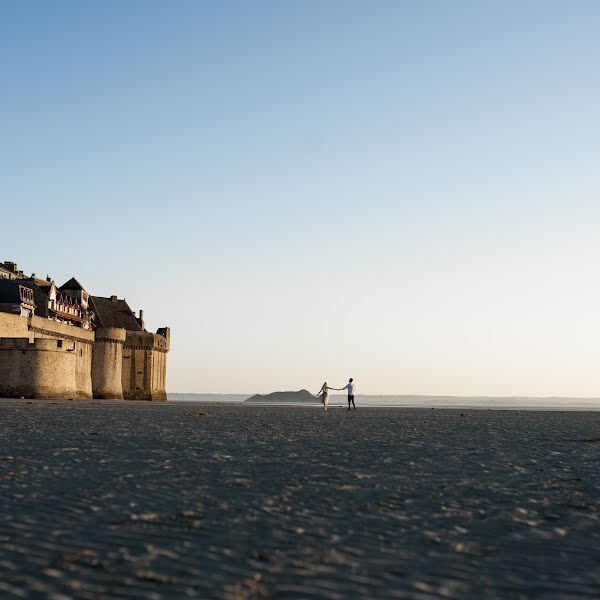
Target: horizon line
x=402, y=395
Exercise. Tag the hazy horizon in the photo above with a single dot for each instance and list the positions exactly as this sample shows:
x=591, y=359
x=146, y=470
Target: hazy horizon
x=342, y=395
x=401, y=192
x=409, y=401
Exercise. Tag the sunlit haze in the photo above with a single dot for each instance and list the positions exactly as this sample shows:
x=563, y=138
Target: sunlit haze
x=406, y=193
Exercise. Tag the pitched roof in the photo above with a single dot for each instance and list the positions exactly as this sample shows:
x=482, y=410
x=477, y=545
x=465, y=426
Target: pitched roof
x=72, y=284
x=111, y=312
x=40, y=297
x=9, y=293
x=41, y=282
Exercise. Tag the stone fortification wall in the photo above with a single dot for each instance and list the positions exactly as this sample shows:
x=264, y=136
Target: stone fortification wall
x=73, y=341
x=43, y=327
x=17, y=368
x=144, y=366
x=14, y=326
x=83, y=370
x=40, y=358
x=107, y=363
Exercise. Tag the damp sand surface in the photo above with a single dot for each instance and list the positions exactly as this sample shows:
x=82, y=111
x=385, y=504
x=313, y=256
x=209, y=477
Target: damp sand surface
x=138, y=500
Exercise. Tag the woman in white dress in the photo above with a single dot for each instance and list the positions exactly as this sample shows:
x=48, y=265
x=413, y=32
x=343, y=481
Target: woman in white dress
x=324, y=393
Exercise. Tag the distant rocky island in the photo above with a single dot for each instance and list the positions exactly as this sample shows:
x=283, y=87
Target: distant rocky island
x=283, y=397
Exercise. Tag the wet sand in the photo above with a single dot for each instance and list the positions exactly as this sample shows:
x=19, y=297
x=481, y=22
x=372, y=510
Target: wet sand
x=135, y=500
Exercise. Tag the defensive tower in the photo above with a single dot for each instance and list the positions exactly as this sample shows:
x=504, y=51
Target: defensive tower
x=61, y=342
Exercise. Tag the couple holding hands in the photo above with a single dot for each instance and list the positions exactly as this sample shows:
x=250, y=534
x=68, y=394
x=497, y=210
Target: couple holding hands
x=324, y=393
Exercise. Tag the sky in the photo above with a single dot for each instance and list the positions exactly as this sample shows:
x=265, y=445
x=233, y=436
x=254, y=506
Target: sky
x=403, y=192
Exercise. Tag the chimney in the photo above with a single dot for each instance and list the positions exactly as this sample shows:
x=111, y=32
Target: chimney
x=141, y=320
x=113, y=298
x=48, y=279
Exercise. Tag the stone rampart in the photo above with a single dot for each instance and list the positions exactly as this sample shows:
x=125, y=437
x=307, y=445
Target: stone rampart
x=41, y=327
x=14, y=326
x=144, y=366
x=40, y=358
x=44, y=368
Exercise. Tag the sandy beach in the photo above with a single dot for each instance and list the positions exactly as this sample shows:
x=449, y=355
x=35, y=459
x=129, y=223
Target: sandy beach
x=136, y=500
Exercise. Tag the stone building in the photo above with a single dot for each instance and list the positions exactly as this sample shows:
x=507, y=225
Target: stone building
x=61, y=342
x=9, y=270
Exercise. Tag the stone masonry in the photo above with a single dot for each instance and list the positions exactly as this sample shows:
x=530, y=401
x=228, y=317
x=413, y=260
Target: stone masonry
x=100, y=350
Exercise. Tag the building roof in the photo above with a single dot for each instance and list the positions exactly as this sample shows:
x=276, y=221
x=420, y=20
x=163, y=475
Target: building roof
x=66, y=316
x=40, y=297
x=112, y=312
x=9, y=294
x=9, y=291
x=43, y=283
x=72, y=284
x=7, y=270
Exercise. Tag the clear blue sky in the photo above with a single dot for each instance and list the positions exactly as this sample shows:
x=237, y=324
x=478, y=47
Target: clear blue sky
x=403, y=192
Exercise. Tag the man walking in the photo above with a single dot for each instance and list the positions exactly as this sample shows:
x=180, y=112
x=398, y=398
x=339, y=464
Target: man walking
x=350, y=387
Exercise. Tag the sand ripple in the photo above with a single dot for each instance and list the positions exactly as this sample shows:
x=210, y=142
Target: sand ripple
x=140, y=501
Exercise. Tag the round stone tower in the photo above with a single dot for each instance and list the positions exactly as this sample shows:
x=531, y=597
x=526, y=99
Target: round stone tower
x=107, y=363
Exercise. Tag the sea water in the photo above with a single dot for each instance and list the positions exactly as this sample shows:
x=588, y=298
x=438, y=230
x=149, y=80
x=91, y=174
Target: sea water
x=459, y=402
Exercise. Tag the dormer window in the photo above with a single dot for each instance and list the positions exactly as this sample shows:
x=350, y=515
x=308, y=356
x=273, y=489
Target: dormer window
x=26, y=295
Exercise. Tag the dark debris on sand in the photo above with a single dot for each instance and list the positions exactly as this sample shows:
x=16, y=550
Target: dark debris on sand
x=140, y=501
